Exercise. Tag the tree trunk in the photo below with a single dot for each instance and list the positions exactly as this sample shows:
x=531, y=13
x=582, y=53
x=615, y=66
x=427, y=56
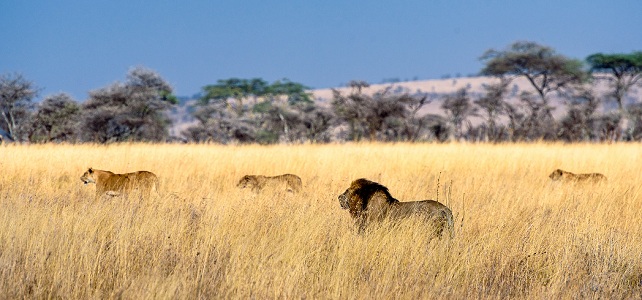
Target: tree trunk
x=286, y=129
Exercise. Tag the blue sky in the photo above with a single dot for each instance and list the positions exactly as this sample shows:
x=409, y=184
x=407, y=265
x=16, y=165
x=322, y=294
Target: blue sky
x=79, y=46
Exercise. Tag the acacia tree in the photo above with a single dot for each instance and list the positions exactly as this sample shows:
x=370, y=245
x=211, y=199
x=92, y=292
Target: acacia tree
x=493, y=104
x=292, y=92
x=282, y=113
x=55, y=120
x=544, y=69
x=226, y=114
x=131, y=111
x=622, y=72
x=16, y=94
x=237, y=90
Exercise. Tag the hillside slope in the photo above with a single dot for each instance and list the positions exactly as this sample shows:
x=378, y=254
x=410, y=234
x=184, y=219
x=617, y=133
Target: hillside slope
x=435, y=89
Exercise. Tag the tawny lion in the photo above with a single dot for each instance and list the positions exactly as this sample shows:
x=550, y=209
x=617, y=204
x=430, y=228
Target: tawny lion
x=561, y=175
x=287, y=182
x=107, y=183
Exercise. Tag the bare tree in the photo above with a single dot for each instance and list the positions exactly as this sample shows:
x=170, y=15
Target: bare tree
x=413, y=125
x=303, y=121
x=358, y=86
x=458, y=107
x=493, y=104
x=579, y=124
x=516, y=122
x=438, y=127
x=16, y=94
x=634, y=112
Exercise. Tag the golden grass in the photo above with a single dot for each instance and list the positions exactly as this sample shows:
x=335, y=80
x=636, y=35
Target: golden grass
x=517, y=235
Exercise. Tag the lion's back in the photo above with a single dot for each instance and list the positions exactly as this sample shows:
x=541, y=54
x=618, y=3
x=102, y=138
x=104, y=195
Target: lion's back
x=561, y=175
x=424, y=207
x=142, y=177
x=293, y=182
x=430, y=210
x=143, y=180
x=114, y=182
x=595, y=177
x=288, y=182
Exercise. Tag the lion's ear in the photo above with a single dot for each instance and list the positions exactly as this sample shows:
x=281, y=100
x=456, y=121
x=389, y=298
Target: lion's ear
x=90, y=170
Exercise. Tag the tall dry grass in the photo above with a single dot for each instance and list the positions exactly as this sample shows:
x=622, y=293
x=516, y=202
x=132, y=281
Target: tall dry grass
x=517, y=235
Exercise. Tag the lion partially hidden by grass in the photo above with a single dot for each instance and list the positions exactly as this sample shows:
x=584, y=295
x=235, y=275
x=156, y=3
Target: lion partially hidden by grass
x=285, y=182
x=140, y=183
x=370, y=201
x=561, y=175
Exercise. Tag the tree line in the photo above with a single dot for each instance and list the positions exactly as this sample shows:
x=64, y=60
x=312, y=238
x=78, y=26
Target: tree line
x=253, y=110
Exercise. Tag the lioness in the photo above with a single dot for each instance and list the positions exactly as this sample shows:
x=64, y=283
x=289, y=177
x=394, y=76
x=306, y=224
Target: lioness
x=108, y=183
x=370, y=201
x=561, y=175
x=287, y=182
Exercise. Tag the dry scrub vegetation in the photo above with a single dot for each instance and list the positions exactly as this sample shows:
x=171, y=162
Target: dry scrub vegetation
x=517, y=234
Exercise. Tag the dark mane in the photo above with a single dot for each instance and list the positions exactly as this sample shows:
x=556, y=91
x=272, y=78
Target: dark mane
x=365, y=188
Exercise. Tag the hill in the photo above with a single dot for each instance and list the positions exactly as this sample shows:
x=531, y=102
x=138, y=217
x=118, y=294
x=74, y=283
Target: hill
x=435, y=89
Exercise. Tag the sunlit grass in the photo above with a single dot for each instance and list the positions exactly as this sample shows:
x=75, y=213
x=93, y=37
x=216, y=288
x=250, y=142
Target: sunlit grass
x=517, y=234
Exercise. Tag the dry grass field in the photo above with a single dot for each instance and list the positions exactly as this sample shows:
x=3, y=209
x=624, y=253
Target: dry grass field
x=517, y=234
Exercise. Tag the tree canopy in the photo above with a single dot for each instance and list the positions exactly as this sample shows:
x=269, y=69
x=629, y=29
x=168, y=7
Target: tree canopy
x=625, y=71
x=546, y=70
x=618, y=64
x=622, y=71
x=255, y=111
x=129, y=111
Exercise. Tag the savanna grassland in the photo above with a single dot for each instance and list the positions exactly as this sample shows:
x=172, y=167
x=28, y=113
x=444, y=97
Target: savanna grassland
x=517, y=234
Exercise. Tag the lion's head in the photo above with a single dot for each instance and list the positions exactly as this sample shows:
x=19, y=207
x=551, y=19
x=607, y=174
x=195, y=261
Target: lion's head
x=556, y=175
x=248, y=181
x=88, y=176
x=361, y=193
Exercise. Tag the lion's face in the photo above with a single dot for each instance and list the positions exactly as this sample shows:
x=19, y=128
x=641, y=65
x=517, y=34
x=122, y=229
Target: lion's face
x=556, y=175
x=356, y=197
x=88, y=177
x=343, y=199
x=248, y=181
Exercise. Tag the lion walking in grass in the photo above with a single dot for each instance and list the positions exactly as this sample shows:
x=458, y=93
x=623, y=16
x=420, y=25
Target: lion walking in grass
x=368, y=201
x=564, y=176
x=108, y=183
x=286, y=182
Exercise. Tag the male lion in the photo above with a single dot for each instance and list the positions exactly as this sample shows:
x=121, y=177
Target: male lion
x=108, y=183
x=561, y=175
x=287, y=182
x=370, y=201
